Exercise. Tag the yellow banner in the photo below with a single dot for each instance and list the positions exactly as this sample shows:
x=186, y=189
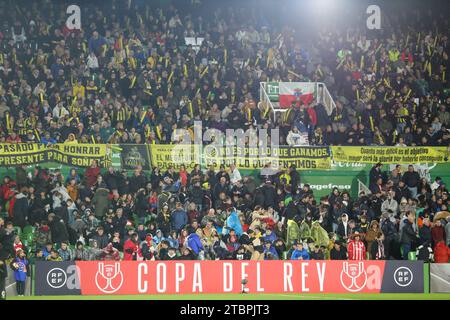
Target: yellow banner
x=390, y=155
x=175, y=155
x=80, y=155
x=249, y=158
x=305, y=158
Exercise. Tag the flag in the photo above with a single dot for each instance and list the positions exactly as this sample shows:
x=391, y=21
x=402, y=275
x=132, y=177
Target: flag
x=295, y=93
x=363, y=188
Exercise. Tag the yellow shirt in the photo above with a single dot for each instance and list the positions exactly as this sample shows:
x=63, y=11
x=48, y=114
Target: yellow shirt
x=78, y=89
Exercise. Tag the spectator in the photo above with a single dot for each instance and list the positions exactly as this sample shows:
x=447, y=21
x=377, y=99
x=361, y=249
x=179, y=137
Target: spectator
x=101, y=238
x=377, y=249
x=54, y=256
x=179, y=218
x=412, y=179
x=408, y=235
x=65, y=252
x=356, y=248
x=21, y=271
x=299, y=253
x=338, y=252
x=80, y=254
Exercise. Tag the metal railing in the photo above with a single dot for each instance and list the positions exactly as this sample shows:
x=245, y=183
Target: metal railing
x=322, y=95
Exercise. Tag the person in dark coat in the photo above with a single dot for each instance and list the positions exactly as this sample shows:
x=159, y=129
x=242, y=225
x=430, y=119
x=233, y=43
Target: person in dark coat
x=3, y=276
x=138, y=180
x=375, y=173
x=270, y=194
x=295, y=179
x=222, y=186
x=389, y=230
x=21, y=176
x=412, y=179
x=20, y=209
x=196, y=193
x=141, y=205
x=101, y=238
x=401, y=191
x=58, y=229
x=112, y=179
x=339, y=252
x=63, y=212
x=425, y=232
x=408, y=235
x=101, y=202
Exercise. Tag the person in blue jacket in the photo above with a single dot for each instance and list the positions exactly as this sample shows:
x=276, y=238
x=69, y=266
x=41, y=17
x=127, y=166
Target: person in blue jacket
x=299, y=252
x=270, y=235
x=179, y=217
x=193, y=242
x=269, y=251
x=20, y=267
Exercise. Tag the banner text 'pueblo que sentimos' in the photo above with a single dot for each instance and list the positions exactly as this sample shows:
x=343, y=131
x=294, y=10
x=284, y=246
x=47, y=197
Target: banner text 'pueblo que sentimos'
x=187, y=277
x=248, y=158
x=79, y=155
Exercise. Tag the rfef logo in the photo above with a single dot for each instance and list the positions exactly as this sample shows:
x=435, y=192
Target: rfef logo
x=403, y=276
x=109, y=278
x=56, y=278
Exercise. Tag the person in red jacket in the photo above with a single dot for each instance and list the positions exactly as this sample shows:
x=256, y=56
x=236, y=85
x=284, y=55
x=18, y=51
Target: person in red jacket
x=92, y=173
x=356, y=248
x=441, y=252
x=437, y=232
x=131, y=250
x=6, y=188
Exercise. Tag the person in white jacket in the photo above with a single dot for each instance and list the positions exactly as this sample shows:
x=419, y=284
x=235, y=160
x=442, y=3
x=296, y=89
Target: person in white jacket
x=235, y=175
x=92, y=61
x=295, y=138
x=390, y=204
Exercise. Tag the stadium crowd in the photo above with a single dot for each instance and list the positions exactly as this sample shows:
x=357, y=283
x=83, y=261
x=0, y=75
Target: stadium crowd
x=220, y=215
x=128, y=75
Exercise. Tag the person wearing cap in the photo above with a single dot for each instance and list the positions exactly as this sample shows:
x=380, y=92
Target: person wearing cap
x=356, y=248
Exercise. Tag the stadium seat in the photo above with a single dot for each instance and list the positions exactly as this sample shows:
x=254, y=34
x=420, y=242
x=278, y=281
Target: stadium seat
x=121, y=255
x=285, y=255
